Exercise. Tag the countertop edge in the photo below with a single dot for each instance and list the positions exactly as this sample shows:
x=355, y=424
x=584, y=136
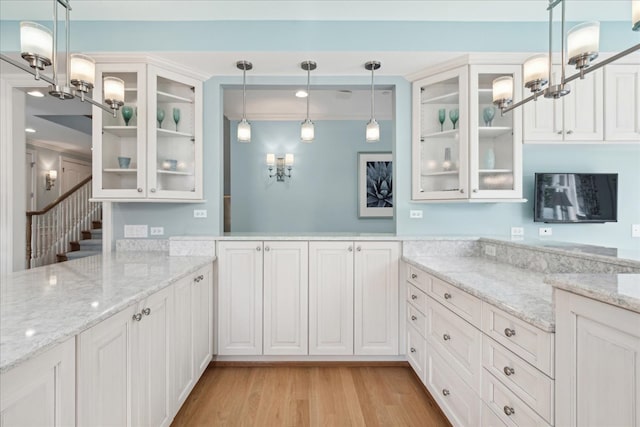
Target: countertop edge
x=593, y=294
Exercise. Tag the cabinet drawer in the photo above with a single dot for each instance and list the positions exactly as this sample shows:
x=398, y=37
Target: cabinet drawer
x=454, y=396
x=532, y=344
x=507, y=405
x=458, y=341
x=416, y=352
x=418, y=277
x=416, y=297
x=490, y=419
x=529, y=384
x=417, y=320
x=463, y=304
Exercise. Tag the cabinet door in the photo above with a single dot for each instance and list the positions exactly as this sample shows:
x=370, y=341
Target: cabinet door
x=202, y=318
x=543, y=117
x=495, y=140
x=151, y=345
x=103, y=372
x=175, y=135
x=376, y=298
x=286, y=286
x=41, y=391
x=240, y=298
x=597, y=363
x=583, y=109
x=331, y=298
x=439, y=146
x=622, y=103
x=119, y=150
x=183, y=339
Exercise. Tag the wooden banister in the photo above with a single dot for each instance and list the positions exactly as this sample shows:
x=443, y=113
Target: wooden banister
x=59, y=199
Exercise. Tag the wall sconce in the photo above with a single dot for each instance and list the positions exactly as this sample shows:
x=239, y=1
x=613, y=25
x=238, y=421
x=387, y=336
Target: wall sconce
x=50, y=179
x=280, y=163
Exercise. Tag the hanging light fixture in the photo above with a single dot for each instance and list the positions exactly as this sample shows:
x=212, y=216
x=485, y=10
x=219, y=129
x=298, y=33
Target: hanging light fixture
x=244, y=127
x=372, y=133
x=307, y=130
x=582, y=48
x=39, y=48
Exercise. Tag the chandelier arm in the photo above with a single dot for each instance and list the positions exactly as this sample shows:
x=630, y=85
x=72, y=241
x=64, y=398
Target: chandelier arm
x=26, y=68
x=98, y=104
x=64, y=3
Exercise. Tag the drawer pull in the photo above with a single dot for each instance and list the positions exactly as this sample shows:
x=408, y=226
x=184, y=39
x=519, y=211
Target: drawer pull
x=146, y=311
x=445, y=392
x=414, y=276
x=414, y=297
x=137, y=317
x=447, y=295
x=446, y=337
x=413, y=350
x=509, y=410
x=258, y=248
x=350, y=248
x=509, y=371
x=509, y=332
x=414, y=318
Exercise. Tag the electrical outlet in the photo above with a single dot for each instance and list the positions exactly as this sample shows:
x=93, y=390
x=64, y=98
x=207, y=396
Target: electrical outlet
x=490, y=250
x=635, y=230
x=199, y=213
x=415, y=214
x=545, y=231
x=156, y=231
x=135, y=231
x=517, y=231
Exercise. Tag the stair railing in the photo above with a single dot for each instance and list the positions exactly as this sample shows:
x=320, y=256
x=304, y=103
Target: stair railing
x=50, y=230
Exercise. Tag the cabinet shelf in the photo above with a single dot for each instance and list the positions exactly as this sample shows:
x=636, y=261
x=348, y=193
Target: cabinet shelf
x=451, y=133
x=492, y=132
x=488, y=171
x=169, y=97
x=116, y=170
x=447, y=98
x=442, y=173
x=166, y=133
x=121, y=131
x=165, y=172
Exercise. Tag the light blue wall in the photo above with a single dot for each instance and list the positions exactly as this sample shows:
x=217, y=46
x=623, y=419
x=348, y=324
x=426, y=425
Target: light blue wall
x=322, y=193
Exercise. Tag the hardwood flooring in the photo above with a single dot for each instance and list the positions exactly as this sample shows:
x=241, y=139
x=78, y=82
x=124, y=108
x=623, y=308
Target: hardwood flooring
x=309, y=396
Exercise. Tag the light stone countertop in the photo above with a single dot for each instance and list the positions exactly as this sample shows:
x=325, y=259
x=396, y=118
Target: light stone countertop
x=519, y=292
x=622, y=290
x=47, y=305
x=310, y=236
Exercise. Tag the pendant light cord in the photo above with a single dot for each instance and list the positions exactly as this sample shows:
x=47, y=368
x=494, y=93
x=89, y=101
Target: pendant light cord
x=244, y=91
x=372, y=97
x=308, y=86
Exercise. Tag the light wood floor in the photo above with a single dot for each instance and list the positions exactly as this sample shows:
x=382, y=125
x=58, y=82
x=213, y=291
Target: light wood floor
x=309, y=396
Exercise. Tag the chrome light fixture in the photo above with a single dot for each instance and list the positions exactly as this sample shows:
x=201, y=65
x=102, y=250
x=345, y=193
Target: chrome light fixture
x=373, y=128
x=50, y=179
x=582, y=48
x=280, y=164
x=307, y=130
x=244, y=127
x=39, y=48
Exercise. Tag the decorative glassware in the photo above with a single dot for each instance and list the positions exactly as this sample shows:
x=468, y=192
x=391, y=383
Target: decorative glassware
x=454, y=115
x=442, y=115
x=489, y=159
x=124, y=162
x=447, y=165
x=176, y=117
x=488, y=114
x=160, y=117
x=127, y=113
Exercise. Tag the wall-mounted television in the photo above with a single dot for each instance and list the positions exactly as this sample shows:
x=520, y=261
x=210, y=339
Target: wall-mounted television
x=575, y=197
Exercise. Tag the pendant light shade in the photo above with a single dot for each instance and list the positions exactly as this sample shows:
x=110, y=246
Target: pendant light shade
x=244, y=127
x=113, y=88
x=536, y=72
x=583, y=43
x=83, y=72
x=307, y=129
x=36, y=44
x=372, y=133
x=635, y=15
x=503, y=91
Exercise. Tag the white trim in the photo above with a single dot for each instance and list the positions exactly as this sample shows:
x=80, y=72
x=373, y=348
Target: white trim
x=107, y=227
x=34, y=178
x=146, y=59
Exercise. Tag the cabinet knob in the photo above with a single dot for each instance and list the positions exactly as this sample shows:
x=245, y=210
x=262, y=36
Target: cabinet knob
x=414, y=318
x=445, y=392
x=350, y=248
x=509, y=410
x=258, y=248
x=201, y=276
x=509, y=332
x=569, y=132
x=267, y=248
x=137, y=317
x=146, y=311
x=153, y=190
x=139, y=190
x=475, y=190
x=447, y=295
x=446, y=337
x=414, y=276
x=359, y=249
x=413, y=350
x=559, y=132
x=462, y=190
x=414, y=297
x=508, y=371
x=196, y=279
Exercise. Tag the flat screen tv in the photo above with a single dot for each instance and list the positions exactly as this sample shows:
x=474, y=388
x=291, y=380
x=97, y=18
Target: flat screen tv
x=576, y=197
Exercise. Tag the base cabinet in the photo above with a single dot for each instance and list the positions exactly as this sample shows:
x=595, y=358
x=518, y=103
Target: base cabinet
x=41, y=392
x=597, y=363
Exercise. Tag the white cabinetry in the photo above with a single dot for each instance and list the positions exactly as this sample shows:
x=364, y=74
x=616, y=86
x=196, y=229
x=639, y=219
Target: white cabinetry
x=41, y=391
x=165, y=157
x=622, y=103
x=598, y=363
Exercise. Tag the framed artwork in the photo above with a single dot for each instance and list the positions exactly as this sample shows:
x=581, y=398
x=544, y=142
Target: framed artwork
x=375, y=185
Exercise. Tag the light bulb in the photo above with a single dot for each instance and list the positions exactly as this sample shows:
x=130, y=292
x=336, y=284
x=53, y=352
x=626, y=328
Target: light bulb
x=307, y=131
x=373, y=131
x=244, y=131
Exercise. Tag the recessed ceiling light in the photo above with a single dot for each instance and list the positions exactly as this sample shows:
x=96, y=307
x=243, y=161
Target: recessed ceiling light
x=35, y=93
x=302, y=94
x=30, y=130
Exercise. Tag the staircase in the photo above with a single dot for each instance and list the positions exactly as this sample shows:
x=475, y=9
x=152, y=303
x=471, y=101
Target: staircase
x=91, y=244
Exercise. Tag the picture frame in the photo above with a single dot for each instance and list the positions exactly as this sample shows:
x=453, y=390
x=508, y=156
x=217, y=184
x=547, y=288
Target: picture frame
x=375, y=185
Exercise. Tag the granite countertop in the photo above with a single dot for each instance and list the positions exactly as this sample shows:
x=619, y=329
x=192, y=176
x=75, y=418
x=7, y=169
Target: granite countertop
x=47, y=305
x=622, y=290
x=519, y=292
x=310, y=236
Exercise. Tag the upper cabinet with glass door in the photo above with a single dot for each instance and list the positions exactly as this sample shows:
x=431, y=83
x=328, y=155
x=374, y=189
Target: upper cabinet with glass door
x=152, y=149
x=463, y=148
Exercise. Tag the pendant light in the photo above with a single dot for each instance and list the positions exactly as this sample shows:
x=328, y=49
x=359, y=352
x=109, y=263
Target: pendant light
x=244, y=127
x=307, y=130
x=372, y=133
x=635, y=15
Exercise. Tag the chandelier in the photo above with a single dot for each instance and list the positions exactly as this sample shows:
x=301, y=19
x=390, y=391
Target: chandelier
x=39, y=48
